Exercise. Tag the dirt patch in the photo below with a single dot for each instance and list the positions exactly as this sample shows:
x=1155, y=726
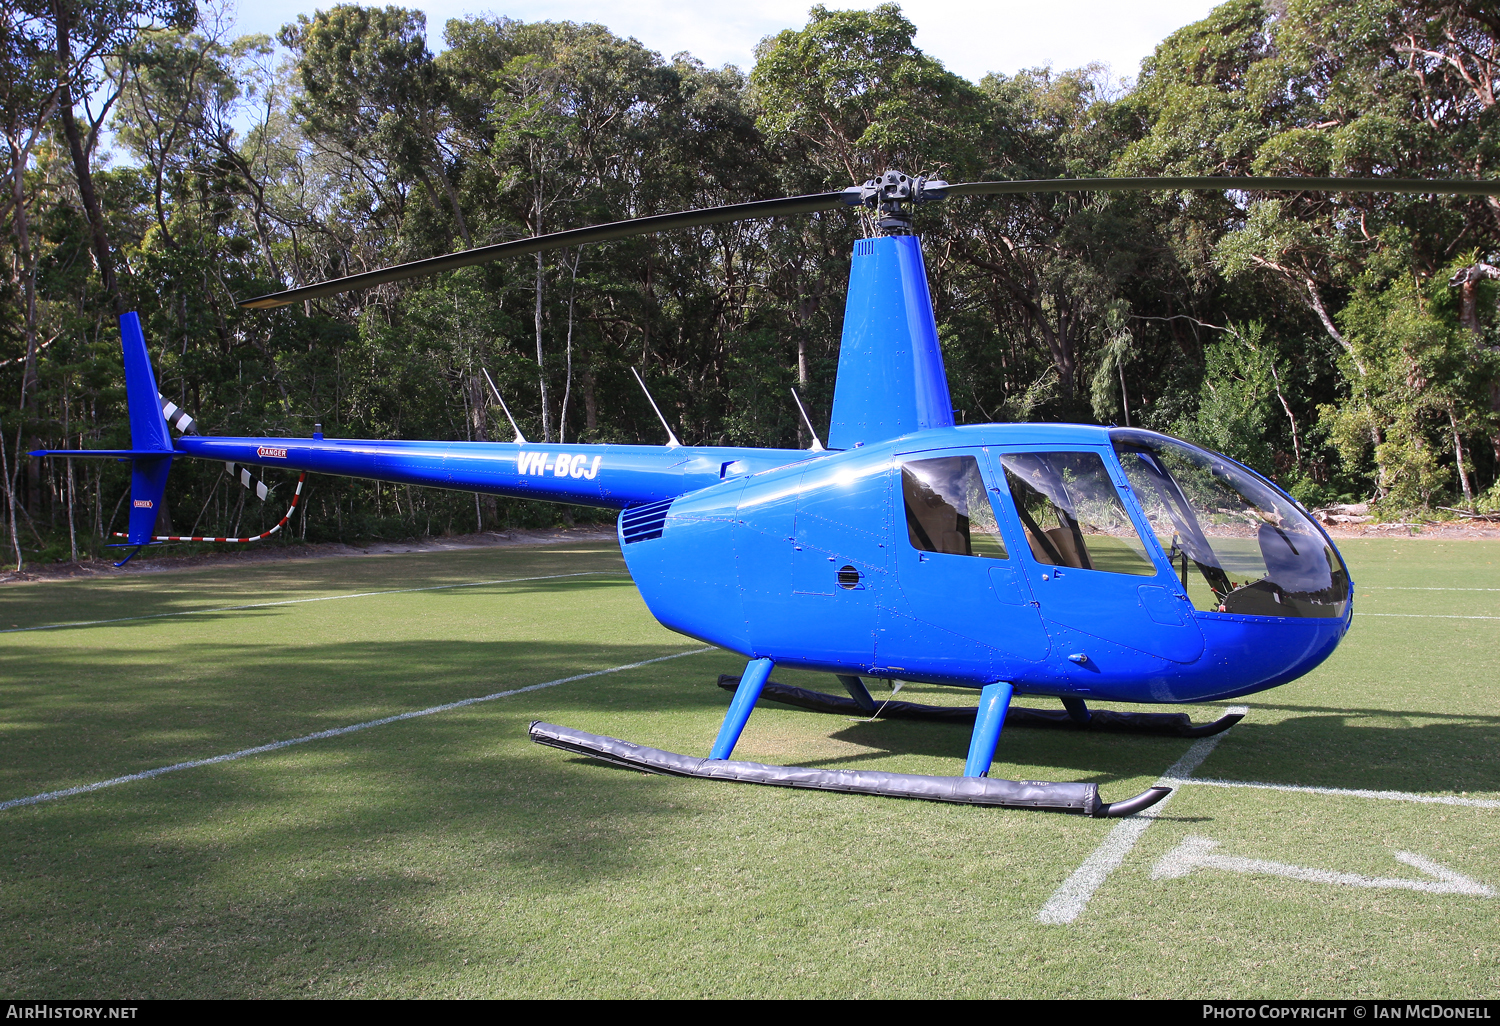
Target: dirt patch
x=250, y=555
x=1355, y=520
x=1444, y=529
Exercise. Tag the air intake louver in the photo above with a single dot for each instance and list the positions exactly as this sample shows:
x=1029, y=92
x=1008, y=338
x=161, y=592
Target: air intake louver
x=644, y=522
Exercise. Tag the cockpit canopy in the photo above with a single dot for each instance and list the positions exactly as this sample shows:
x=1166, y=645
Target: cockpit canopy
x=1239, y=545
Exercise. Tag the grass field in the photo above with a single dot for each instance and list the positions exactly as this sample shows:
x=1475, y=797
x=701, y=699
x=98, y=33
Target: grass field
x=446, y=855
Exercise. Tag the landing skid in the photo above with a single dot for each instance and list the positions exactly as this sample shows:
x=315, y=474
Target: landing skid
x=1080, y=799
x=1109, y=721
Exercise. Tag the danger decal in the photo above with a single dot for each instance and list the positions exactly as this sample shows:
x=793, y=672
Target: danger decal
x=266, y=452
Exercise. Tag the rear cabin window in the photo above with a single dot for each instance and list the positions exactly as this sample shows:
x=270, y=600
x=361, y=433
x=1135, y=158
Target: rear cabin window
x=1072, y=514
x=948, y=508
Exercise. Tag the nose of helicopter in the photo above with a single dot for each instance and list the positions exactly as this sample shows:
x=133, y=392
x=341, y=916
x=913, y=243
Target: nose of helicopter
x=1241, y=655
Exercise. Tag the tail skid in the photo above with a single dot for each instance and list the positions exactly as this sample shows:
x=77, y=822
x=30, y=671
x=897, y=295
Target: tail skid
x=296, y=498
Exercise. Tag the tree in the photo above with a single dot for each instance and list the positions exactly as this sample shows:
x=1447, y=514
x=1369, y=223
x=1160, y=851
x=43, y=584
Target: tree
x=86, y=34
x=857, y=97
x=371, y=89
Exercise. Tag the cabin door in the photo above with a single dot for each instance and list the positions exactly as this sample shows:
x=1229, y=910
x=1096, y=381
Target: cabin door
x=1090, y=569
x=839, y=562
x=963, y=610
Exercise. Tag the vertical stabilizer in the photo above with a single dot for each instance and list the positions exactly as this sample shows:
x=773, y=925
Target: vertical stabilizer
x=891, y=378
x=148, y=433
x=148, y=427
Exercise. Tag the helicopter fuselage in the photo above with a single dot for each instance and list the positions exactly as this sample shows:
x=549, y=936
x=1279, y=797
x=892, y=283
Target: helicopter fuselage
x=817, y=565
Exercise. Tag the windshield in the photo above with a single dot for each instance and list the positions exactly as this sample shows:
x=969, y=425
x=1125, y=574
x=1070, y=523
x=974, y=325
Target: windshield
x=1238, y=544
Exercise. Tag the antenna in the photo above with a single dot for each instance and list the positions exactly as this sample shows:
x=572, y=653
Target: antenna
x=519, y=437
x=671, y=438
x=817, y=446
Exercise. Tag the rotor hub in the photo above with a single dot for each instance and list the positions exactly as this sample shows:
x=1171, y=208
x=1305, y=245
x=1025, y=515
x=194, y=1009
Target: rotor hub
x=893, y=195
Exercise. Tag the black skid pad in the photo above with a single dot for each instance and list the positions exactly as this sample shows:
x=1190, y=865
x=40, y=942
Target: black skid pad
x=1080, y=799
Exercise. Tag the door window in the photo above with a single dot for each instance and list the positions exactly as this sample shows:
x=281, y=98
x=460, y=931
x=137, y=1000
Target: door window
x=948, y=508
x=1072, y=514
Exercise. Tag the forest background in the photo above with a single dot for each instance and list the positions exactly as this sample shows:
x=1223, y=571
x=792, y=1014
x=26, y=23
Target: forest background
x=1344, y=345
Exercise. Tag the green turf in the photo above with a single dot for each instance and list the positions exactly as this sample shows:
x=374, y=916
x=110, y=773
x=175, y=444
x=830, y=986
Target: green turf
x=448, y=856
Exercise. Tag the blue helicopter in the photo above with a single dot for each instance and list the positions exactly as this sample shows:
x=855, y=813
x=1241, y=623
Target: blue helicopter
x=1070, y=561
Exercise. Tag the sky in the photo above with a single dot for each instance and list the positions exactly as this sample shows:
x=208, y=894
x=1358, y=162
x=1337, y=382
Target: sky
x=970, y=37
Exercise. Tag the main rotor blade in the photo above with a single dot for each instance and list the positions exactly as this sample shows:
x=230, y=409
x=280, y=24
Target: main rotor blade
x=560, y=240
x=1225, y=183
x=851, y=197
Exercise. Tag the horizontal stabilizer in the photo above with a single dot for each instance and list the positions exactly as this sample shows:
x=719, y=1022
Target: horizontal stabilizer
x=99, y=454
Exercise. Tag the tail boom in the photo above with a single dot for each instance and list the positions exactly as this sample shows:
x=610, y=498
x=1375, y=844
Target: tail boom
x=606, y=476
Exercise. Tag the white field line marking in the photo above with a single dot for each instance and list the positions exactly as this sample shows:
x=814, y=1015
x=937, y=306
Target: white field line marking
x=1390, y=796
x=1198, y=851
x=1431, y=616
x=294, y=602
x=1404, y=587
x=1072, y=895
x=336, y=732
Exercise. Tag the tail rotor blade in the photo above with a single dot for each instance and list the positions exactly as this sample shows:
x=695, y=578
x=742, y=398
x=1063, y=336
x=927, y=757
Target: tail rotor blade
x=250, y=481
x=177, y=416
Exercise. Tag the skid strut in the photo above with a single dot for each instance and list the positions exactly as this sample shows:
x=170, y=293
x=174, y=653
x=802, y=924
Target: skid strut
x=1106, y=720
x=1081, y=799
